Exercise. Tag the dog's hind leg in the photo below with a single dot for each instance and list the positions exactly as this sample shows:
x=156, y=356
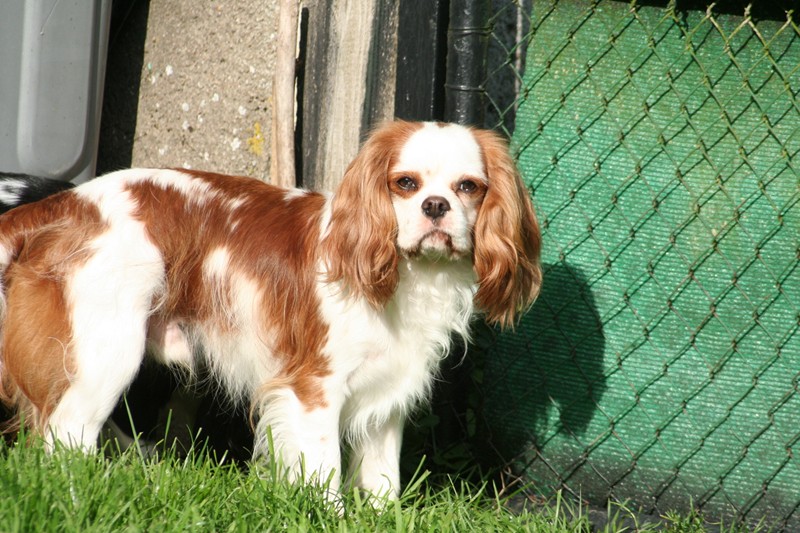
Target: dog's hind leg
x=106, y=362
x=67, y=365
x=110, y=300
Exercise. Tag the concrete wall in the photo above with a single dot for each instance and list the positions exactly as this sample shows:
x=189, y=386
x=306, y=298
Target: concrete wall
x=189, y=84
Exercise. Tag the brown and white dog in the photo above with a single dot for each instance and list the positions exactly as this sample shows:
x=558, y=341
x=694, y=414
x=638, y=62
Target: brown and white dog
x=329, y=314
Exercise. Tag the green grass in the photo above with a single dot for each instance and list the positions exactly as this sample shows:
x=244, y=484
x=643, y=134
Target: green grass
x=70, y=491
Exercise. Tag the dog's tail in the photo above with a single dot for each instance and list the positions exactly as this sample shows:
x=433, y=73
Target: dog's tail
x=14, y=226
x=29, y=217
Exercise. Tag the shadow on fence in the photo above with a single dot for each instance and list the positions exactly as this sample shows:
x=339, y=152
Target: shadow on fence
x=553, y=362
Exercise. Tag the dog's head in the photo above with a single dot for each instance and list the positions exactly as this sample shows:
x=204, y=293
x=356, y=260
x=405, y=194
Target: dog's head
x=435, y=192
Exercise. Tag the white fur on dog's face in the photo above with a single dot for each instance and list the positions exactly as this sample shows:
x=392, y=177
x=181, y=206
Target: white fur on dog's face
x=437, y=185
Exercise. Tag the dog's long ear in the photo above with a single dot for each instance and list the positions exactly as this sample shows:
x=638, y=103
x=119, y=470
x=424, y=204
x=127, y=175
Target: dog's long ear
x=360, y=245
x=507, y=238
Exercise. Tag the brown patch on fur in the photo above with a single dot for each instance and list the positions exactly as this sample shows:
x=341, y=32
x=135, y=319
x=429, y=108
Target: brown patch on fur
x=360, y=248
x=47, y=241
x=507, y=238
x=36, y=340
x=270, y=240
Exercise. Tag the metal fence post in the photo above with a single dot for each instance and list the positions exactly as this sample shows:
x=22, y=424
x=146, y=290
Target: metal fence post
x=467, y=43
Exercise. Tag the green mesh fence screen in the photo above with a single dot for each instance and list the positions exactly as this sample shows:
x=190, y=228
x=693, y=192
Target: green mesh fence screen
x=660, y=366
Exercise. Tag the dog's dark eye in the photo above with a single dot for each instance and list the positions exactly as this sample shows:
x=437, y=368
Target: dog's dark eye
x=406, y=183
x=468, y=186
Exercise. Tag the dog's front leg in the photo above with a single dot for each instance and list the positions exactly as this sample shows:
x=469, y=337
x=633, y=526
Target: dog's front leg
x=376, y=458
x=303, y=439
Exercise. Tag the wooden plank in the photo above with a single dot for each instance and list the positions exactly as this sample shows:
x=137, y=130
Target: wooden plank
x=282, y=170
x=344, y=91
x=381, y=71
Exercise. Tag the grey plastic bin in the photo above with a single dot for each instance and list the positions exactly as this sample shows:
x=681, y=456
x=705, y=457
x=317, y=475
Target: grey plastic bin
x=52, y=57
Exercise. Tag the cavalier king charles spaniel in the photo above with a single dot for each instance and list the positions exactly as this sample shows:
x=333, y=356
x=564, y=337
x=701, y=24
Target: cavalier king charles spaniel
x=328, y=313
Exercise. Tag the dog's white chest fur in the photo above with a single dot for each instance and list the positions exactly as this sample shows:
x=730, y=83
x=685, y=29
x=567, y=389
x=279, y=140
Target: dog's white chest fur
x=388, y=358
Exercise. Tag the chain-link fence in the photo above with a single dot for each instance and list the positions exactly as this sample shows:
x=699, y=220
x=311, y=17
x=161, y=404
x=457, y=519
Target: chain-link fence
x=661, y=363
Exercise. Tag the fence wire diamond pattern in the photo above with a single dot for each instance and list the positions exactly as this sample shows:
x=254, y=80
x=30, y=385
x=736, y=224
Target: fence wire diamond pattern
x=661, y=363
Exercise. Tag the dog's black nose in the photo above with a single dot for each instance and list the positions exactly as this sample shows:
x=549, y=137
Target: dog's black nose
x=435, y=207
